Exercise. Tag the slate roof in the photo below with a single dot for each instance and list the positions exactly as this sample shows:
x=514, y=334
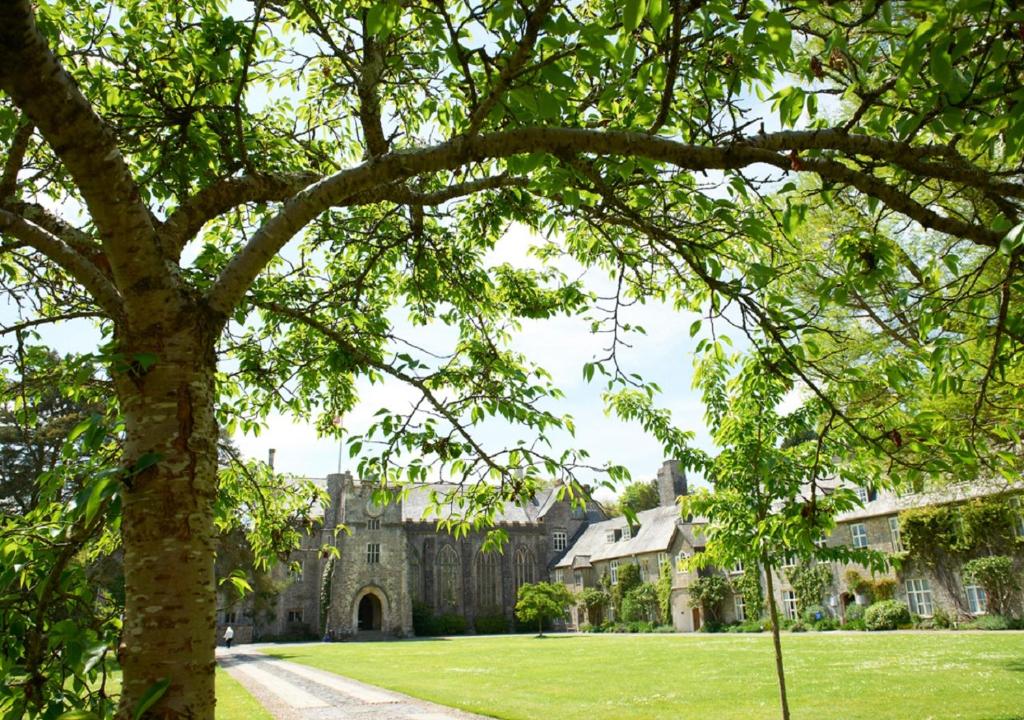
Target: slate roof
x=416, y=502
x=890, y=504
x=657, y=528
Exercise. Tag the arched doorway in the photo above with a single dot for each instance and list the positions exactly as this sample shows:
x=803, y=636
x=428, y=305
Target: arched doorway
x=369, y=613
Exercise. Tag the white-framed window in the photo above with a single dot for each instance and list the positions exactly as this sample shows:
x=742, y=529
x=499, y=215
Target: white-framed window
x=681, y=557
x=789, y=560
x=919, y=597
x=577, y=578
x=373, y=524
x=977, y=600
x=862, y=494
x=741, y=607
x=894, y=533
x=613, y=571
x=859, y=533
x=559, y=576
x=558, y=540
x=1018, y=506
x=789, y=604
x=295, y=616
x=610, y=536
x=662, y=559
x=736, y=569
x=627, y=532
x=372, y=553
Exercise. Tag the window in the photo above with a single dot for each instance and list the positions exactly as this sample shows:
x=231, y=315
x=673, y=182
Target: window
x=1018, y=525
x=373, y=553
x=558, y=540
x=294, y=616
x=788, y=560
x=919, y=597
x=488, y=580
x=577, y=578
x=859, y=534
x=862, y=494
x=894, y=532
x=627, y=532
x=448, y=571
x=789, y=604
x=736, y=569
x=662, y=559
x=524, y=565
x=681, y=558
x=977, y=601
x=373, y=524
x=559, y=576
x=613, y=571
x=230, y=616
x=741, y=607
x=609, y=536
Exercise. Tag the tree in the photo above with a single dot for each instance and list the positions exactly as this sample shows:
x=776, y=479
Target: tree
x=542, y=602
x=637, y=496
x=265, y=188
x=768, y=504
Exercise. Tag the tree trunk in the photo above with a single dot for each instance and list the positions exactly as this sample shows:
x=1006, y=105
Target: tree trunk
x=773, y=614
x=167, y=524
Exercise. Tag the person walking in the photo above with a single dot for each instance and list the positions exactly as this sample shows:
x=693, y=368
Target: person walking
x=229, y=635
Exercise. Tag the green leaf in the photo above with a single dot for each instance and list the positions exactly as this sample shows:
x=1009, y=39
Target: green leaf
x=941, y=66
x=78, y=714
x=150, y=697
x=780, y=34
x=632, y=13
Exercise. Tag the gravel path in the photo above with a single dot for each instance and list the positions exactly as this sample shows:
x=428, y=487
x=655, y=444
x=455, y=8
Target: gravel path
x=290, y=691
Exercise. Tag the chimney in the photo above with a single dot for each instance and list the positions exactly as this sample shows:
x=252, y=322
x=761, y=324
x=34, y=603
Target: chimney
x=671, y=483
x=270, y=457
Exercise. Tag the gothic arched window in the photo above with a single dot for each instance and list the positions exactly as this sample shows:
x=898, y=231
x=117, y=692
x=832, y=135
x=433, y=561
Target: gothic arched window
x=488, y=581
x=524, y=565
x=448, y=572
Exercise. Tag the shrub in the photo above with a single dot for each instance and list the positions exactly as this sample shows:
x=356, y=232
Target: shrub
x=854, y=613
x=798, y=626
x=826, y=624
x=857, y=624
x=588, y=628
x=884, y=589
x=664, y=629
x=886, y=615
x=814, y=614
x=451, y=624
x=995, y=574
x=989, y=622
x=942, y=619
x=747, y=626
x=491, y=624
x=640, y=603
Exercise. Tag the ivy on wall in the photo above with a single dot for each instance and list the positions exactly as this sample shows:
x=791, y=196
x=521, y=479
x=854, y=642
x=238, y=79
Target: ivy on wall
x=748, y=585
x=325, y=593
x=945, y=537
x=809, y=583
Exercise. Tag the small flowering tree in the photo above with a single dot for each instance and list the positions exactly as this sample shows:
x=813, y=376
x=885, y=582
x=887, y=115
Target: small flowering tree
x=539, y=602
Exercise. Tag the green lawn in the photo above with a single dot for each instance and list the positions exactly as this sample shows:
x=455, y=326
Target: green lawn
x=856, y=676
x=233, y=701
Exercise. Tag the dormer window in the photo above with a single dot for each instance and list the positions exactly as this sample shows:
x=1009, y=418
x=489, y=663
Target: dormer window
x=627, y=533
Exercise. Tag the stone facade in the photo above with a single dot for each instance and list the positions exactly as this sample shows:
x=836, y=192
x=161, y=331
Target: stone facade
x=392, y=556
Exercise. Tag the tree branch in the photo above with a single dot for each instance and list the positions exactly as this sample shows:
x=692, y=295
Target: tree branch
x=344, y=186
x=101, y=289
x=37, y=83
x=15, y=159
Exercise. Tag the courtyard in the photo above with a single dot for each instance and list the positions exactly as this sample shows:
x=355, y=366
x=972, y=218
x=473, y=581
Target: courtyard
x=854, y=676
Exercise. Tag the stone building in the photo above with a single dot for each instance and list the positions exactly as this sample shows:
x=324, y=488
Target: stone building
x=661, y=534
x=392, y=556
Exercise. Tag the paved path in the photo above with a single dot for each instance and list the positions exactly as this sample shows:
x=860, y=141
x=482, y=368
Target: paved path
x=290, y=691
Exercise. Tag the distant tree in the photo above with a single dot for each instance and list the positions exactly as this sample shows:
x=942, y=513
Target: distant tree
x=637, y=496
x=540, y=602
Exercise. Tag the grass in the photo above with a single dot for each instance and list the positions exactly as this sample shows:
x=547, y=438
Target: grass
x=233, y=701
x=855, y=676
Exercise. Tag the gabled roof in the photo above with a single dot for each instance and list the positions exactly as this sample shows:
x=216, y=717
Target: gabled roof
x=657, y=529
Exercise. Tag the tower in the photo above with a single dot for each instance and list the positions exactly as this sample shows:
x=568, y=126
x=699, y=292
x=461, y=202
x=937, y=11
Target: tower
x=671, y=483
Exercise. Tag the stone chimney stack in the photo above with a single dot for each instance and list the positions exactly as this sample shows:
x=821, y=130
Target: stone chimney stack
x=671, y=483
